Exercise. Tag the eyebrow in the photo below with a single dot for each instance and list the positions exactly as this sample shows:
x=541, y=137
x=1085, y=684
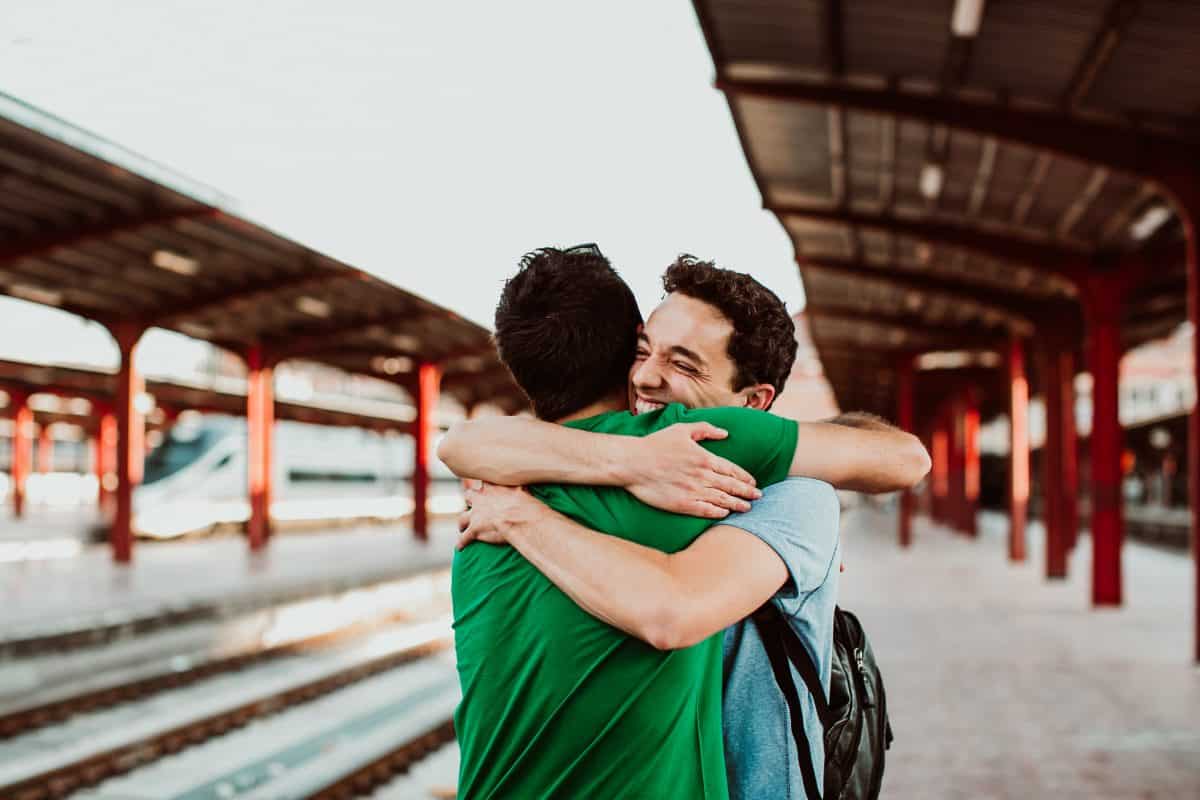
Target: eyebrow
x=676, y=350
x=683, y=351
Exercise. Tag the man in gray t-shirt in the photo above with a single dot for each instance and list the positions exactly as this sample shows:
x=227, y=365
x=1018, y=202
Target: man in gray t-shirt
x=798, y=519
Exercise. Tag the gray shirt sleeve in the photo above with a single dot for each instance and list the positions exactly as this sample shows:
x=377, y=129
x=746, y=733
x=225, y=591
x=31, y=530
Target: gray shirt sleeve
x=798, y=519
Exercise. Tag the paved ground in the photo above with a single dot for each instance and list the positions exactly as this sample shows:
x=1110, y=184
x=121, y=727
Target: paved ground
x=50, y=595
x=1004, y=686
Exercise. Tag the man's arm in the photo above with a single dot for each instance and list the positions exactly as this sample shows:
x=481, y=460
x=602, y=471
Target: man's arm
x=668, y=600
x=854, y=452
x=667, y=469
x=860, y=452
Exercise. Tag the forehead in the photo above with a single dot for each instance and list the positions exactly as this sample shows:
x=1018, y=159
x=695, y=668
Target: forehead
x=687, y=322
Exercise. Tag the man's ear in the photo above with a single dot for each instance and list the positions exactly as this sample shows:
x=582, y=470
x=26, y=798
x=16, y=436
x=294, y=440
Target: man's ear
x=759, y=396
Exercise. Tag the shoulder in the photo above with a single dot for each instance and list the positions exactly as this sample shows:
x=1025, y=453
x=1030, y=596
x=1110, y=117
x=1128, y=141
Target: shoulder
x=793, y=509
x=721, y=416
x=806, y=495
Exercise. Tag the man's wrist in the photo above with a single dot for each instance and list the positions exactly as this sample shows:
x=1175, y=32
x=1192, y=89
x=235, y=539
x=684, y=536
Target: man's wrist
x=618, y=459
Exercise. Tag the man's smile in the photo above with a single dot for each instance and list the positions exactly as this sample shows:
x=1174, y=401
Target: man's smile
x=643, y=406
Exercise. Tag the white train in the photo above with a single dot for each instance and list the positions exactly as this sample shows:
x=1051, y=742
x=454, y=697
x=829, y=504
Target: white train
x=196, y=479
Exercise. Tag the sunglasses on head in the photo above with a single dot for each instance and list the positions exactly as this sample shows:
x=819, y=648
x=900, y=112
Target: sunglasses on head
x=583, y=249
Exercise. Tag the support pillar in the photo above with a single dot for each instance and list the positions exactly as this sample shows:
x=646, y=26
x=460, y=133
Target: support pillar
x=971, y=462
x=1054, y=498
x=22, y=448
x=45, y=451
x=1018, y=442
x=129, y=441
x=1102, y=308
x=260, y=414
x=940, y=471
x=425, y=395
x=1069, y=508
x=1185, y=191
x=957, y=497
x=905, y=381
x=104, y=455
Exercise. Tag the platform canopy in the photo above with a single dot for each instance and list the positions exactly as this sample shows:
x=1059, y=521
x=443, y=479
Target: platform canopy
x=96, y=230
x=101, y=388
x=952, y=173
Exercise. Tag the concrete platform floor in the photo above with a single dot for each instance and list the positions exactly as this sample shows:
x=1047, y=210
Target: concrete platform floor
x=47, y=596
x=1001, y=685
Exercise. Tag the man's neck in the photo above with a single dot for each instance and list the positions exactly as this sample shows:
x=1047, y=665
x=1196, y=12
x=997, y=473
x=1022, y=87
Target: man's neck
x=599, y=407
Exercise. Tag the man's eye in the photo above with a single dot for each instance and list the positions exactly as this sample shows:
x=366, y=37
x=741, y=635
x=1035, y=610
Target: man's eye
x=682, y=367
x=641, y=354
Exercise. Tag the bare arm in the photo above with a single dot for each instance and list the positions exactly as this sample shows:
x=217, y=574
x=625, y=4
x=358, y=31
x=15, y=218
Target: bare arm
x=861, y=453
x=667, y=600
x=667, y=469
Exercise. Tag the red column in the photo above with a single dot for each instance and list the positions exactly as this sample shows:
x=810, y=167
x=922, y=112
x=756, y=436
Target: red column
x=129, y=442
x=22, y=448
x=425, y=395
x=1185, y=190
x=1053, y=497
x=970, y=462
x=1068, y=509
x=45, y=451
x=904, y=418
x=956, y=498
x=940, y=471
x=1102, y=308
x=1018, y=442
x=104, y=454
x=260, y=407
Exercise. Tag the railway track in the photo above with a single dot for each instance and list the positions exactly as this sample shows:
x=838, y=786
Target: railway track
x=51, y=750
x=403, y=601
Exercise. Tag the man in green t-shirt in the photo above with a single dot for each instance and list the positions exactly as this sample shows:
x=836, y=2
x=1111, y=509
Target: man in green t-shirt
x=555, y=701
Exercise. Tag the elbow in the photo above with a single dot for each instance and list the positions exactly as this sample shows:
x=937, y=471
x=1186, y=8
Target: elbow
x=449, y=450
x=667, y=628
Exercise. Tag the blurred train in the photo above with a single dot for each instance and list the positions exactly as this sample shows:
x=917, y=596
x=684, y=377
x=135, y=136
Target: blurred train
x=195, y=481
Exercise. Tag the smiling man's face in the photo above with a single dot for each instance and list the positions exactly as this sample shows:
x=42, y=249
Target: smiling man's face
x=683, y=357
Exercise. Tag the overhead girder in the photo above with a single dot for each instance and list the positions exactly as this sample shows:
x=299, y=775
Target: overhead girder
x=1140, y=152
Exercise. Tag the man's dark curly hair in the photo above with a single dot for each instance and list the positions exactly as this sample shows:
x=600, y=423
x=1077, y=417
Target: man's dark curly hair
x=566, y=328
x=763, y=344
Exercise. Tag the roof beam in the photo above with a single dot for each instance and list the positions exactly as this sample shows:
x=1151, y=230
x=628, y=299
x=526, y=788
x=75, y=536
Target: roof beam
x=247, y=293
x=1137, y=151
x=1048, y=256
x=1116, y=19
x=964, y=335
x=1016, y=305
x=46, y=245
x=883, y=338
x=325, y=338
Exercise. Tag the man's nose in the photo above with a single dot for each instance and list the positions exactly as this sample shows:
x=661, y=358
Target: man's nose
x=647, y=375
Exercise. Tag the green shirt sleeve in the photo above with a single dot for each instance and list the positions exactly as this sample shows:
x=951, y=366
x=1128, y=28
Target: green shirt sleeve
x=759, y=442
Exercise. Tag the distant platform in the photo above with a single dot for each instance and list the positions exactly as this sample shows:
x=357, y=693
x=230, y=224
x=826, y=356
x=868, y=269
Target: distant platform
x=73, y=597
x=1002, y=685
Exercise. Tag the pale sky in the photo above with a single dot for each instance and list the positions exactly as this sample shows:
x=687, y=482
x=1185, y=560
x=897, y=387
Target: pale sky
x=429, y=143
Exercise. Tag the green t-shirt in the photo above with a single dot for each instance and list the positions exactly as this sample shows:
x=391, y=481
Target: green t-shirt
x=557, y=703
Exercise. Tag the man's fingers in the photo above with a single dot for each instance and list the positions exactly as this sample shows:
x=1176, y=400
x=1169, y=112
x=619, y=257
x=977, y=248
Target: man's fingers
x=464, y=520
x=726, y=467
x=700, y=431
x=732, y=486
x=708, y=510
x=724, y=501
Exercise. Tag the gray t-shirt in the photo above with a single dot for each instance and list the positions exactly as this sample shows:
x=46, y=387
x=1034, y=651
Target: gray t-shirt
x=798, y=518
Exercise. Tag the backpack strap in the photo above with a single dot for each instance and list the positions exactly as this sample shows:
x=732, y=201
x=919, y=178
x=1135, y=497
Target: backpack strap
x=774, y=639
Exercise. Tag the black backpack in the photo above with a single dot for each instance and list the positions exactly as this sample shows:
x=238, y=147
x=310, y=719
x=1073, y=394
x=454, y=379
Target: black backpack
x=854, y=717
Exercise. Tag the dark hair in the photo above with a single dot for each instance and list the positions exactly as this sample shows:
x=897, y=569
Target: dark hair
x=566, y=328
x=763, y=344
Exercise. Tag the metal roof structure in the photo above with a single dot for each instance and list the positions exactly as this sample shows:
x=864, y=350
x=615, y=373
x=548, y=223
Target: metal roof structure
x=949, y=182
x=93, y=229
x=101, y=387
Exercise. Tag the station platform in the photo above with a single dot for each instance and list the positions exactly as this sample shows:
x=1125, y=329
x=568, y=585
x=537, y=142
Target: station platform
x=85, y=593
x=1001, y=685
